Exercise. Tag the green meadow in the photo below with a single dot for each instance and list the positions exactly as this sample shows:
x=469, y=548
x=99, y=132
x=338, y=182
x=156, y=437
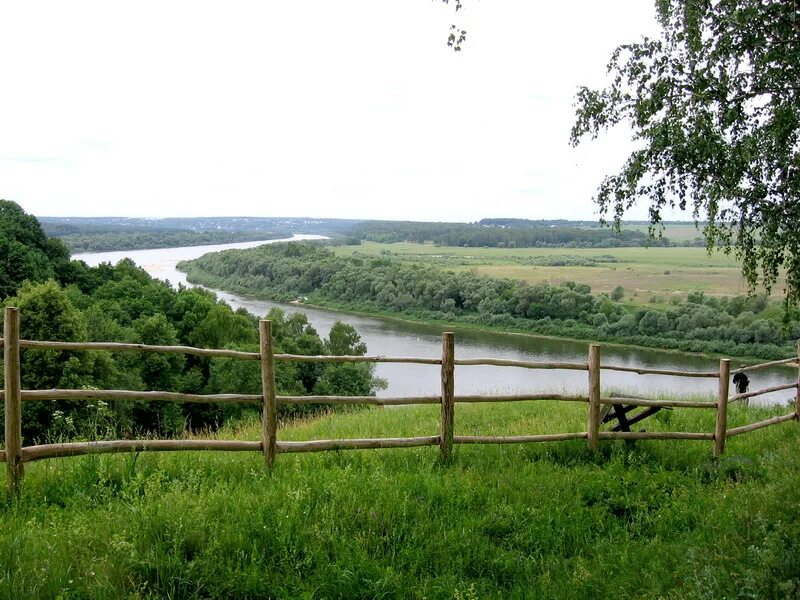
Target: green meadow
x=645, y=273
x=658, y=519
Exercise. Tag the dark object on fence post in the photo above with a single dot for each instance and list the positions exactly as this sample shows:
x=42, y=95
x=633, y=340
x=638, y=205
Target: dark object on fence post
x=269, y=418
x=13, y=401
x=741, y=381
x=593, y=431
x=448, y=395
x=722, y=407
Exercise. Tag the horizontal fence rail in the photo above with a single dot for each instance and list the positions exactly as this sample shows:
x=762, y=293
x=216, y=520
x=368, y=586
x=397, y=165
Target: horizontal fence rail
x=760, y=424
x=518, y=439
x=357, y=444
x=58, y=394
x=32, y=453
x=370, y=359
x=655, y=435
x=525, y=364
x=120, y=347
x=774, y=388
x=772, y=363
x=659, y=403
x=12, y=395
x=645, y=371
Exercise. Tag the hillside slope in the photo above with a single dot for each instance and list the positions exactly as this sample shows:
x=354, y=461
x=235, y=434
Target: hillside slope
x=521, y=521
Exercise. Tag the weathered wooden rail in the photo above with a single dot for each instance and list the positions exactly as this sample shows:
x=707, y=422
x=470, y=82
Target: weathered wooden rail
x=15, y=455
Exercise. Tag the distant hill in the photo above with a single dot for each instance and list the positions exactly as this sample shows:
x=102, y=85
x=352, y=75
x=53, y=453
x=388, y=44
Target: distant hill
x=98, y=234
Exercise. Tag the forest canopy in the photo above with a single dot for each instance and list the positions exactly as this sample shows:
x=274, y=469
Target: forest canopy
x=66, y=300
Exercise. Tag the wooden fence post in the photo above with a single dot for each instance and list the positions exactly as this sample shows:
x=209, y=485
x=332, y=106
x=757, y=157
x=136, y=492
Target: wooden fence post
x=593, y=432
x=797, y=396
x=269, y=418
x=13, y=401
x=448, y=395
x=722, y=407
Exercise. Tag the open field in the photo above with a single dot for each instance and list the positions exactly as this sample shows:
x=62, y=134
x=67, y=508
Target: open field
x=677, y=232
x=643, y=272
x=660, y=519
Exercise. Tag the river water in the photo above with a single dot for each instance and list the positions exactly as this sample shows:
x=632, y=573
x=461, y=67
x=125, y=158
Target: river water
x=394, y=337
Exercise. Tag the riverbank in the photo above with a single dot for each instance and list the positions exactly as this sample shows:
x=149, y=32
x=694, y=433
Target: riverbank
x=659, y=519
x=517, y=326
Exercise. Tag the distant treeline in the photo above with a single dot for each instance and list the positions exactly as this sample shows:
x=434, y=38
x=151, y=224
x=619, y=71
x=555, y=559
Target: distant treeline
x=512, y=222
x=531, y=223
x=101, y=234
x=501, y=235
x=135, y=240
x=58, y=226
x=738, y=326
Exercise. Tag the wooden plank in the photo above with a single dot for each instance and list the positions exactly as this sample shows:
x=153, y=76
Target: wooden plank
x=13, y=401
x=620, y=412
x=661, y=403
x=357, y=444
x=448, y=395
x=59, y=394
x=625, y=423
x=661, y=371
x=721, y=426
x=119, y=347
x=269, y=416
x=774, y=388
x=760, y=424
x=594, y=397
x=32, y=453
x=518, y=439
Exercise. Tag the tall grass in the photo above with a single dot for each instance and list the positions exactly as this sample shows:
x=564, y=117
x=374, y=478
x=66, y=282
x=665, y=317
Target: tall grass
x=659, y=519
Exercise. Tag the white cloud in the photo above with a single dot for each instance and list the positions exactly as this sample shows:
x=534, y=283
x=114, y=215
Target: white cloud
x=339, y=109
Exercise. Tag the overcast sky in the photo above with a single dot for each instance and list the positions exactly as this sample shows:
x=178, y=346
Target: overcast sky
x=348, y=108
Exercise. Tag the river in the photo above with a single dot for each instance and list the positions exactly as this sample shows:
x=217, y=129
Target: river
x=394, y=337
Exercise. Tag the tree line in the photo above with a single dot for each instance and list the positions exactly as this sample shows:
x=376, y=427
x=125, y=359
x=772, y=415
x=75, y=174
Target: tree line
x=135, y=240
x=737, y=326
x=66, y=300
x=506, y=235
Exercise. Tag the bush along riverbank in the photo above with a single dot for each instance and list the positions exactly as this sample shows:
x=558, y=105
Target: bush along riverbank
x=744, y=326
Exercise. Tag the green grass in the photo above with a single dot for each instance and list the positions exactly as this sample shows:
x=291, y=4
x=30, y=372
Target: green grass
x=660, y=519
x=643, y=272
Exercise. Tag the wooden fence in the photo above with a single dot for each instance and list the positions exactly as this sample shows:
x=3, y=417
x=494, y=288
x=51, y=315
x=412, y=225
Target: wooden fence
x=15, y=455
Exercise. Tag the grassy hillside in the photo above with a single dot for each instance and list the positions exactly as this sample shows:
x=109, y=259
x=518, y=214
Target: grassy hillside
x=521, y=521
